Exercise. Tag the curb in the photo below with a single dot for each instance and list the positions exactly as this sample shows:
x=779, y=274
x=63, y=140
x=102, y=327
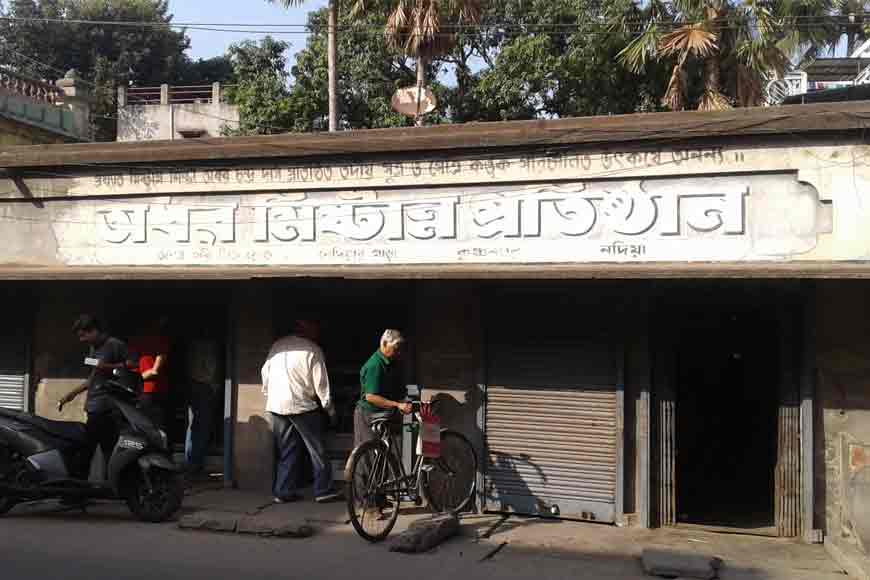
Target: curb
x=244, y=525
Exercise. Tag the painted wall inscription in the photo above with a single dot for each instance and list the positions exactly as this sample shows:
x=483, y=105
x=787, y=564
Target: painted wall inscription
x=651, y=220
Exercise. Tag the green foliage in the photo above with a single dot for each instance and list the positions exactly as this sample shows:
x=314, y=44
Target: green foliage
x=368, y=74
x=555, y=60
x=203, y=71
x=260, y=92
x=721, y=52
x=105, y=56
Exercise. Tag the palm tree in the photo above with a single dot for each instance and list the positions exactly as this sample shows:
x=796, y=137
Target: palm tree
x=732, y=46
x=417, y=27
x=331, y=57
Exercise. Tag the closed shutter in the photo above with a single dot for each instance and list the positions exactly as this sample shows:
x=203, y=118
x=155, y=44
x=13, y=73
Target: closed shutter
x=553, y=416
x=13, y=359
x=12, y=392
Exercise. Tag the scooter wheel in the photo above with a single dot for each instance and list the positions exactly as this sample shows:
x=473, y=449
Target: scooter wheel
x=6, y=504
x=161, y=501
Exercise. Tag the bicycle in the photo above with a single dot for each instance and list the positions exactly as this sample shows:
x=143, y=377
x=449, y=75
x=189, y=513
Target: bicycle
x=377, y=481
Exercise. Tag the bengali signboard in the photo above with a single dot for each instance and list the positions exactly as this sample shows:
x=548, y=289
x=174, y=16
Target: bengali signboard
x=717, y=218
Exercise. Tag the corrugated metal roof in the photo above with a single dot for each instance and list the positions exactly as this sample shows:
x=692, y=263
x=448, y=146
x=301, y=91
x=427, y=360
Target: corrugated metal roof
x=455, y=139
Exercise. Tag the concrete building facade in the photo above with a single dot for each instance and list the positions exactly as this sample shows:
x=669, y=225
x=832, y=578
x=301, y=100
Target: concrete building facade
x=171, y=113
x=648, y=320
x=34, y=112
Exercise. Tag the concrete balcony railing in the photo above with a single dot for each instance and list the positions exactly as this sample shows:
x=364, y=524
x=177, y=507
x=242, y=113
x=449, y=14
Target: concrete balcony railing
x=12, y=83
x=174, y=112
x=172, y=95
x=61, y=109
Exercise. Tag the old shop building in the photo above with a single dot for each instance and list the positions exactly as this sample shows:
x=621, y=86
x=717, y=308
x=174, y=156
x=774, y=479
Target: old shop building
x=651, y=320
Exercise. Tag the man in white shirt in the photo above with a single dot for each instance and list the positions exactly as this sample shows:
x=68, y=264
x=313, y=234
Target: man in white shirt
x=296, y=386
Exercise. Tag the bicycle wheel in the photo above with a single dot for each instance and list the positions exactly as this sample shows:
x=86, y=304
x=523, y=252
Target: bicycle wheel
x=449, y=481
x=373, y=490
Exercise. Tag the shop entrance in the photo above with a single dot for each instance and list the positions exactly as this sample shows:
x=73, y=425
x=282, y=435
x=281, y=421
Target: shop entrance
x=195, y=316
x=728, y=369
x=353, y=315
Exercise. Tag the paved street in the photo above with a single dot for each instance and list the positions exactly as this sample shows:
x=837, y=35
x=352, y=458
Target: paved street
x=41, y=541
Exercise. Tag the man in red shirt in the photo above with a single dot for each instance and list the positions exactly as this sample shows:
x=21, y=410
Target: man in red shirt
x=152, y=347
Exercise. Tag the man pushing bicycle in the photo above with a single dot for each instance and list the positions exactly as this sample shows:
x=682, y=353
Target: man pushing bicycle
x=379, y=389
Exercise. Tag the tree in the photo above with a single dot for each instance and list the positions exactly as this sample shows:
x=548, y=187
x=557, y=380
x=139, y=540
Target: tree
x=368, y=74
x=720, y=51
x=104, y=55
x=331, y=52
x=423, y=29
x=554, y=59
x=261, y=93
x=203, y=71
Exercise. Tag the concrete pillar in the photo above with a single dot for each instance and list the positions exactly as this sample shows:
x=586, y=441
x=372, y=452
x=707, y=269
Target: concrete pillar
x=215, y=93
x=164, y=94
x=253, y=450
x=449, y=333
x=78, y=99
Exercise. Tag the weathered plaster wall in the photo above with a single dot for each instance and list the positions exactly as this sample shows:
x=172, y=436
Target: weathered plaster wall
x=58, y=357
x=449, y=334
x=254, y=449
x=157, y=122
x=843, y=341
x=16, y=133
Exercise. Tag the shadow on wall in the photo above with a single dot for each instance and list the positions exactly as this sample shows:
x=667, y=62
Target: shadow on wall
x=845, y=393
x=254, y=440
x=507, y=467
x=505, y=488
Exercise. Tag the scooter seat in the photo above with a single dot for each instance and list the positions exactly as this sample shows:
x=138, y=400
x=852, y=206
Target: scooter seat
x=69, y=430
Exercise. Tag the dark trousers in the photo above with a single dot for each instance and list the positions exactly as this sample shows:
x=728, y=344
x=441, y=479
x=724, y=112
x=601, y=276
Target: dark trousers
x=199, y=427
x=362, y=424
x=154, y=405
x=293, y=435
x=102, y=430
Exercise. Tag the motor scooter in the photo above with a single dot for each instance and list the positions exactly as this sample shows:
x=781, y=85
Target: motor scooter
x=42, y=459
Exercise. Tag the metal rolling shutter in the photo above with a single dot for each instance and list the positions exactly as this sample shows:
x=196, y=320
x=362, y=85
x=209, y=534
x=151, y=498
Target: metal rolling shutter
x=12, y=392
x=13, y=364
x=553, y=421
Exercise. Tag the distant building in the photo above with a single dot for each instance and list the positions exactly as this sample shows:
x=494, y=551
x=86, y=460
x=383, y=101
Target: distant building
x=825, y=80
x=173, y=113
x=34, y=112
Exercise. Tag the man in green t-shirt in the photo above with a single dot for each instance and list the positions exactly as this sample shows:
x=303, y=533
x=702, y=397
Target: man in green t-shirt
x=378, y=396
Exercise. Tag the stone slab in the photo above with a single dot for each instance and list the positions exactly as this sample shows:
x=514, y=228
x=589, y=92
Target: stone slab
x=212, y=522
x=229, y=522
x=680, y=564
x=293, y=531
x=423, y=535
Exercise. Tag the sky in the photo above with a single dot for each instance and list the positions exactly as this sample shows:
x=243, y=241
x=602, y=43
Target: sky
x=234, y=12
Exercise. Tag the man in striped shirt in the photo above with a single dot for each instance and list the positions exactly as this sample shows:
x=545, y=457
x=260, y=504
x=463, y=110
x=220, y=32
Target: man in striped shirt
x=296, y=386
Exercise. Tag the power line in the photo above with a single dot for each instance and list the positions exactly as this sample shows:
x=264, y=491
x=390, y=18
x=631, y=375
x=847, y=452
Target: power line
x=563, y=29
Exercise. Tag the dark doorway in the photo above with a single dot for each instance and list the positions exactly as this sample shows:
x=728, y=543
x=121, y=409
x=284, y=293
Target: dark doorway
x=195, y=313
x=727, y=396
x=353, y=315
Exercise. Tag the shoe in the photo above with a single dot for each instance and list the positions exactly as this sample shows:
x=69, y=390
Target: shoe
x=287, y=498
x=328, y=497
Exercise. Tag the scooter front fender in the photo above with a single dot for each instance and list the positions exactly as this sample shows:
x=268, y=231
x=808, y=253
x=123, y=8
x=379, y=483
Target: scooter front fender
x=128, y=449
x=156, y=460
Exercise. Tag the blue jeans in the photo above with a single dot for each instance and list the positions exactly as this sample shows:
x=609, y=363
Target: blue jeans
x=201, y=415
x=293, y=434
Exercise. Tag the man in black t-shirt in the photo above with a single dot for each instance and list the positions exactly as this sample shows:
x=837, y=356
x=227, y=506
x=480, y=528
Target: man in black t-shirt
x=109, y=354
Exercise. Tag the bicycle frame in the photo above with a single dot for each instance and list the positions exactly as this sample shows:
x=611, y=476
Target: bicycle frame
x=407, y=484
